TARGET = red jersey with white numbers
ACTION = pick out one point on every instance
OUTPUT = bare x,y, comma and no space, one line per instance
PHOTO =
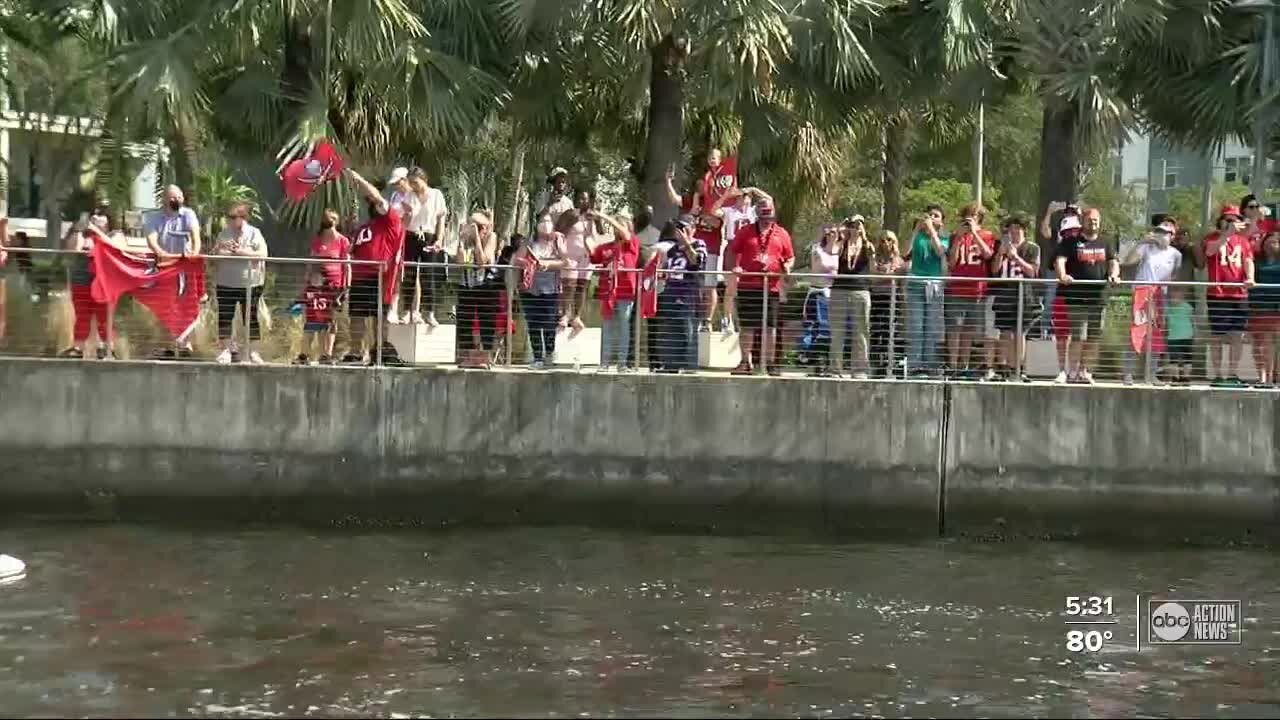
969,263
1227,265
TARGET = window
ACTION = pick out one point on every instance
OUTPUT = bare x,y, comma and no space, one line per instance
1238,169
1171,169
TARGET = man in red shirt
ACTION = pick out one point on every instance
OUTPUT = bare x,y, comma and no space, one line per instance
1227,254
379,240
761,247
619,279
966,312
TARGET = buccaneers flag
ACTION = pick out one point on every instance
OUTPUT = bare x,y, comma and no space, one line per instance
308,173
172,292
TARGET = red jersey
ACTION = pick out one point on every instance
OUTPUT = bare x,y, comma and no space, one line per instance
717,183
1227,265
318,303
626,257
969,262
337,248
709,230
762,252
381,240
1265,228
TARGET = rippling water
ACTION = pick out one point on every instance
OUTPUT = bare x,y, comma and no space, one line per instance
131,620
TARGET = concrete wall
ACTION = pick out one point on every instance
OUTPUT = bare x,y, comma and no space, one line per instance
737,454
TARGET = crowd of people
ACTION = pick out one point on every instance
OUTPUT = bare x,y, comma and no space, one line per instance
952,301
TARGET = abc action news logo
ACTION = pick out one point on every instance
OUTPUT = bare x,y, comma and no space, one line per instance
1194,622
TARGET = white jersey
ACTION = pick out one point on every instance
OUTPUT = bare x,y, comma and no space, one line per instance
735,219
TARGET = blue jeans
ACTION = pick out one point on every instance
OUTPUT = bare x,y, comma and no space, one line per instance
541,313
815,344
675,332
925,306
617,335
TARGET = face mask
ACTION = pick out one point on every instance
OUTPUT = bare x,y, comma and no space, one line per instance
175,204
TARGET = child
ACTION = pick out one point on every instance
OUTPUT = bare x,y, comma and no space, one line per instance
318,300
1181,332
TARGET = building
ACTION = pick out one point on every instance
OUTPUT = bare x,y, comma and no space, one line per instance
42,153
1152,169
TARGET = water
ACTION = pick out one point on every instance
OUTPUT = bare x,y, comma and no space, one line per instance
118,620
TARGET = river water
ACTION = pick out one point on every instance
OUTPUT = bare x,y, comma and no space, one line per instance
117,619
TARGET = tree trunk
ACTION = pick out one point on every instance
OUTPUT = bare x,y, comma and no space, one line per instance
182,154
898,138
666,123
511,207
1059,161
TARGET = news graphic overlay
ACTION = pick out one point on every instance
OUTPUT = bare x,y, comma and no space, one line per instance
1090,621
1194,622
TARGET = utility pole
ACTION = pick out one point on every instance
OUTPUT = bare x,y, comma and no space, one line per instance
1263,119
979,150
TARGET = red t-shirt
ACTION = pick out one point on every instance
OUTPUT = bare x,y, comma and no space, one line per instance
338,248
757,253
1227,265
1265,228
624,257
708,230
969,263
318,303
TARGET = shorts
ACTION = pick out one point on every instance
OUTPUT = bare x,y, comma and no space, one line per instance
1006,311
363,300
1179,351
1227,315
1265,321
317,327
714,265
1084,311
966,313
415,247
750,305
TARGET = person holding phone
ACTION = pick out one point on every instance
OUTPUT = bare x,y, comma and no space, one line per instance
1082,262
477,302
926,296
969,256
1228,257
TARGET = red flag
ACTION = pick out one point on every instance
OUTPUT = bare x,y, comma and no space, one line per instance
172,293
649,288
716,185
1146,314
310,172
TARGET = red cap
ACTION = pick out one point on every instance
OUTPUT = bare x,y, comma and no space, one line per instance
1229,210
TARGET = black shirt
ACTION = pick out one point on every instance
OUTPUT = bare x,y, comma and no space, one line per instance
846,275
1086,259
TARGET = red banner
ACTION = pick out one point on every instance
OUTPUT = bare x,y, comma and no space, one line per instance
716,186
1145,328
305,174
649,287
172,293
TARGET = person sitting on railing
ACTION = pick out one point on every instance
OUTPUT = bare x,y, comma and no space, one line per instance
330,244
616,288
541,260
969,256
762,249
1228,256
174,232
675,326
1015,259
1264,309
83,306
1158,262
380,241
238,282
1082,255
477,302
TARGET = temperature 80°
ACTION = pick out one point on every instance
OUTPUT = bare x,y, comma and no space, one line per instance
1087,640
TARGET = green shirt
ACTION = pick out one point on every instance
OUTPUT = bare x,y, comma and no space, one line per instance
923,260
1178,319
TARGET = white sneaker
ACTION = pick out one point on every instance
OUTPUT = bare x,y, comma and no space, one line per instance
416,319
431,320
393,318
990,376
224,357
1062,378
255,358
1086,377
1128,378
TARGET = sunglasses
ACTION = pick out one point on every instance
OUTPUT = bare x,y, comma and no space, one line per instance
235,217
1252,206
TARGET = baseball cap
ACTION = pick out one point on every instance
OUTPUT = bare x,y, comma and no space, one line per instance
1228,210
556,171
1069,222
853,220
765,211
1166,226
397,175
684,222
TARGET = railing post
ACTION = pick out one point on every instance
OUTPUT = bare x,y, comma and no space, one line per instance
244,316
763,360
1018,343
507,329
893,330
377,349
638,317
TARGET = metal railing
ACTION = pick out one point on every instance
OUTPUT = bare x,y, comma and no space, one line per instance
887,326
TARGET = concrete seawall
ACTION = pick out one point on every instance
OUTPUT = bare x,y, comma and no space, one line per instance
693,452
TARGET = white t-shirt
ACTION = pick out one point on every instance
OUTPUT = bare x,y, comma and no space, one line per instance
1157,264
425,213
823,264
649,236
735,219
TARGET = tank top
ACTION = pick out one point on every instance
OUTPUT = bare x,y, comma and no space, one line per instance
823,263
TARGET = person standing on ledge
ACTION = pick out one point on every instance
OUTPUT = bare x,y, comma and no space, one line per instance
379,240
1228,255
174,233
763,247
1082,255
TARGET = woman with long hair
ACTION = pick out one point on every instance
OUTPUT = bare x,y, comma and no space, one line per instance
1264,309
331,244
84,307
477,302
824,262
886,260
851,300
542,259
579,229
